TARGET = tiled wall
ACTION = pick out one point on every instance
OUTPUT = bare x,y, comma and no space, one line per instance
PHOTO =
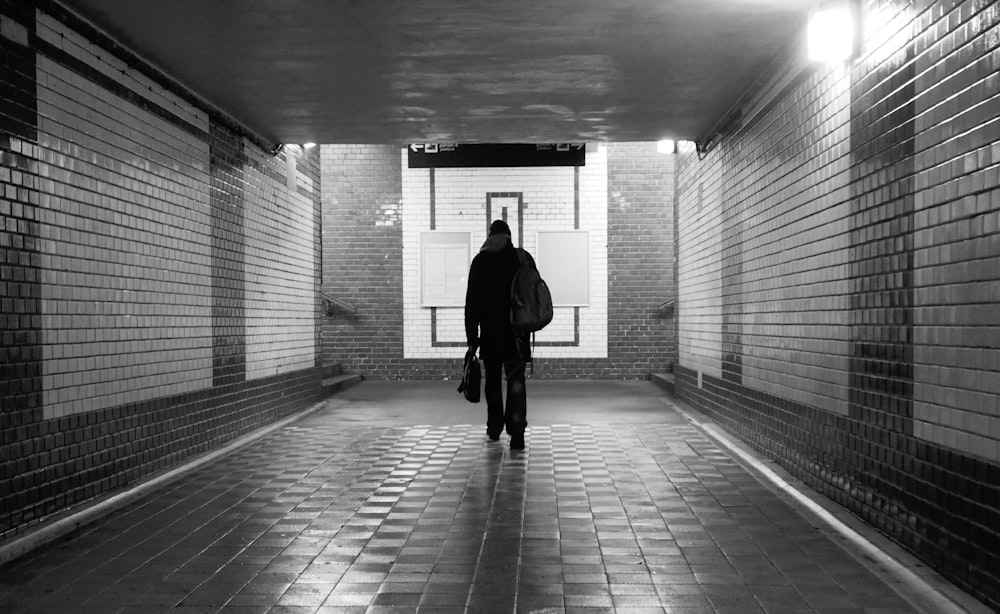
281,268
159,269
641,257
363,257
376,209
838,279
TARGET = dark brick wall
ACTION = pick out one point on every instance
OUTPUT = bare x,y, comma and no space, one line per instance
838,251
49,465
363,257
20,287
19,113
640,258
229,352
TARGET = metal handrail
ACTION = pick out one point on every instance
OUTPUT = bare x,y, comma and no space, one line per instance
666,305
333,302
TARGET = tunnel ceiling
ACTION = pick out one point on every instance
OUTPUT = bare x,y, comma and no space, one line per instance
402,71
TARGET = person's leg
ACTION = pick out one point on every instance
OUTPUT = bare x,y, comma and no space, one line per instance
493,376
516,414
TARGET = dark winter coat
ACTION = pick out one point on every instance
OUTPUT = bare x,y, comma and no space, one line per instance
487,303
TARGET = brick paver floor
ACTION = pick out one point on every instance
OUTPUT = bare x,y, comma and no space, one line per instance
324,516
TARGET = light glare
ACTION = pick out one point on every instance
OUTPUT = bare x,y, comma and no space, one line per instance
665,146
831,34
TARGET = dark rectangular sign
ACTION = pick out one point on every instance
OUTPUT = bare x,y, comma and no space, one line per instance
478,155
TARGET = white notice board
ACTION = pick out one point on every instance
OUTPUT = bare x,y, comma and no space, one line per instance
444,267
563,260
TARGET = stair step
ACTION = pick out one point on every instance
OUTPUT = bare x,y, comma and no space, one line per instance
331,369
332,385
664,381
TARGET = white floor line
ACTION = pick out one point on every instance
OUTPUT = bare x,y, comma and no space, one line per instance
914,588
48,531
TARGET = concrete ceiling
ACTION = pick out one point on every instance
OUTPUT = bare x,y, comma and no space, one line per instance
442,71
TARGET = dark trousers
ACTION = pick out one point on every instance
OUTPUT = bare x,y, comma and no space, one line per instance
514,416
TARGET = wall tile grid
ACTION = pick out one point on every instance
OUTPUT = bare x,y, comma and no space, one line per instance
641,268
699,269
228,228
281,271
20,290
152,255
838,274
309,167
363,257
109,257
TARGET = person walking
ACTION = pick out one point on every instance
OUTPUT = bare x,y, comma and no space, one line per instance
488,329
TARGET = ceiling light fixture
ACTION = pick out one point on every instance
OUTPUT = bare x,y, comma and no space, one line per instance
832,32
665,146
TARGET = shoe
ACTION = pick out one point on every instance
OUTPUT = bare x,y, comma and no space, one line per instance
517,442
493,436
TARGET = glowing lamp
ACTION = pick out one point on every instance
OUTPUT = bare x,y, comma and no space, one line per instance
831,33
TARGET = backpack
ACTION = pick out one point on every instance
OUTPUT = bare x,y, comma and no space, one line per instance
530,299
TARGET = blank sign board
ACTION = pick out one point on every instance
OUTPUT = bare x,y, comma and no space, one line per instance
563,259
444,268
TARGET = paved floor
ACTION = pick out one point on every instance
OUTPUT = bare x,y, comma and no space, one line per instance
391,499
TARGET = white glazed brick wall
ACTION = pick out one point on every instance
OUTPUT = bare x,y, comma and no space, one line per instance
279,225
956,349
793,223
548,204
416,199
699,274
593,219
796,280
126,277
125,233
